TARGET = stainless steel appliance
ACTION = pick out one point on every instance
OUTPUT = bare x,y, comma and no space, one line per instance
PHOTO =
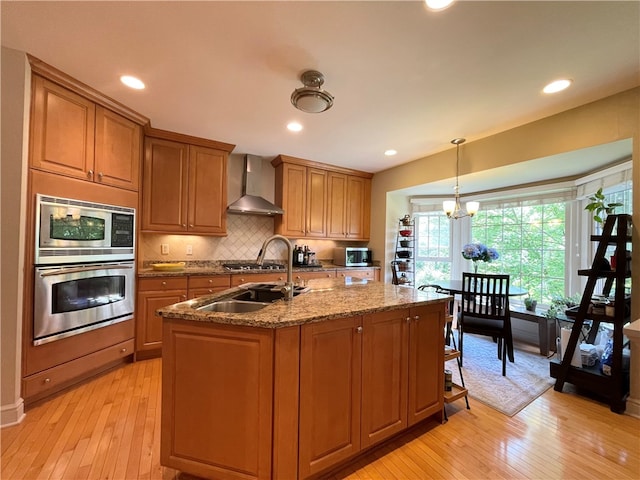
85,272
73,299
75,231
352,256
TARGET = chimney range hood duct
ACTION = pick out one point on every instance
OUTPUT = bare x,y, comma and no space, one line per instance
250,203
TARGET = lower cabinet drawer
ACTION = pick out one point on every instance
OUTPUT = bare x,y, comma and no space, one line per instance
53,379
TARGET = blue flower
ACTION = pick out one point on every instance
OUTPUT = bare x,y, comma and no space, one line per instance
478,251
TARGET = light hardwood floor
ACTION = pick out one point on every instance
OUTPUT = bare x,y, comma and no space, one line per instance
109,429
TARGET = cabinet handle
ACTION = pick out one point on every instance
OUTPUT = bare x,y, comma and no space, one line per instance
417,317
47,380
184,297
90,174
210,281
359,329
184,225
164,284
123,350
100,176
191,225
408,319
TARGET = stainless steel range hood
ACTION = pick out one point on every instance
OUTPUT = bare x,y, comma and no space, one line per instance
251,203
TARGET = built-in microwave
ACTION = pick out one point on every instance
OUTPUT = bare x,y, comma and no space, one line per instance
76,231
352,256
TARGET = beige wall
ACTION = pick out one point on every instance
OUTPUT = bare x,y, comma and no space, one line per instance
607,120
15,93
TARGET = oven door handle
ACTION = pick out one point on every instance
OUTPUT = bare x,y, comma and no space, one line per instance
84,269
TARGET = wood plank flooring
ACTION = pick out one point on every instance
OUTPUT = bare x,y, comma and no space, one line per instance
109,428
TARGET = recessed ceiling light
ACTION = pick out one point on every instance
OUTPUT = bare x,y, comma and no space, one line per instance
132,82
557,86
390,153
294,127
438,4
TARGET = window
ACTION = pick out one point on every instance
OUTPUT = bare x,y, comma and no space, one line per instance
542,238
530,238
433,248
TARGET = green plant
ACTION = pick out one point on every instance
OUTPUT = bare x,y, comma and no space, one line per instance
559,304
599,206
530,303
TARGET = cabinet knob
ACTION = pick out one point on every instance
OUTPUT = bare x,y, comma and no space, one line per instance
417,317
184,297
210,281
359,329
184,225
164,284
123,350
210,290
90,174
47,380
99,175
191,225
408,319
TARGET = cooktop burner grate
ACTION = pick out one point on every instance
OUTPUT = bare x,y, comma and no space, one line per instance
253,266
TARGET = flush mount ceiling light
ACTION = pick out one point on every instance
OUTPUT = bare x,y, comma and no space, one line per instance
311,98
452,207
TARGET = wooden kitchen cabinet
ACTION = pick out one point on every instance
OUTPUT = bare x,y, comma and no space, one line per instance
368,273
330,379
301,192
72,135
321,201
209,434
426,362
154,293
240,278
385,356
304,276
200,286
348,215
365,379
184,186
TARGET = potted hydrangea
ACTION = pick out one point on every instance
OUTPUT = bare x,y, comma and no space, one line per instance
477,251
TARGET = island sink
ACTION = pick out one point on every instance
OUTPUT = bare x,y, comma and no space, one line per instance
233,306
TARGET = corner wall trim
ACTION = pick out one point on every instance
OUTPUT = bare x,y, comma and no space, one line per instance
12,414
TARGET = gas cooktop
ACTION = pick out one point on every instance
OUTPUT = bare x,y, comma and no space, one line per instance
253,266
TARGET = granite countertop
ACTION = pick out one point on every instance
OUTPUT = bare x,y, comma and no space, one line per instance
215,268
326,299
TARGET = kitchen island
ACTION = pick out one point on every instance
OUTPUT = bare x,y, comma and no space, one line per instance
295,389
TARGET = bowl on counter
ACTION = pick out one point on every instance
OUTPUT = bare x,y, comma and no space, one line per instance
168,267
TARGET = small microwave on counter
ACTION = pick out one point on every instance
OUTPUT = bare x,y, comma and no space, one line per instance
352,256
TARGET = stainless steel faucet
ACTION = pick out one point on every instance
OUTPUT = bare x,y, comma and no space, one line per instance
288,286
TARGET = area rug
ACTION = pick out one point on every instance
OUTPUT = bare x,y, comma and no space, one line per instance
527,378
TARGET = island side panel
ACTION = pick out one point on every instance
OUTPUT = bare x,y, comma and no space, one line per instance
426,362
286,403
217,390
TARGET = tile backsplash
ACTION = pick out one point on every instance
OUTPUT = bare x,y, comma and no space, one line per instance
245,235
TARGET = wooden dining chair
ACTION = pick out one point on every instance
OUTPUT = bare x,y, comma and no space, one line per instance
484,310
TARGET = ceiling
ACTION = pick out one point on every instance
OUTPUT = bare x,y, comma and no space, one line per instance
403,77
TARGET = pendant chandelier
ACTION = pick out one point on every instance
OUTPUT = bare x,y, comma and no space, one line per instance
452,208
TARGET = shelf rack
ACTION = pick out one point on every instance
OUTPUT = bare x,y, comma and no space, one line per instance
403,265
452,353
615,387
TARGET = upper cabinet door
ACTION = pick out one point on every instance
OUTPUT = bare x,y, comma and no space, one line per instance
358,207
164,186
337,201
291,195
207,191
117,151
316,203
62,130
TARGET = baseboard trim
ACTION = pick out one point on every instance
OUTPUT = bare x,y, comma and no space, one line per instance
12,414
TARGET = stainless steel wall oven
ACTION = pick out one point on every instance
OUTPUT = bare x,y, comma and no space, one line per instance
85,272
